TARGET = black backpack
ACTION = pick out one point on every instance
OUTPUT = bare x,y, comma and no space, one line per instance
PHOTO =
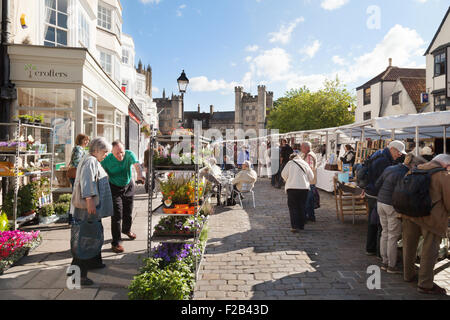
362,171
411,195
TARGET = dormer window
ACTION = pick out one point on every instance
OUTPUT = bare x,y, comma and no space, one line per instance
440,64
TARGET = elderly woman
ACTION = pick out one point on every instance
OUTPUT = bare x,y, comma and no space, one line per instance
246,176
93,182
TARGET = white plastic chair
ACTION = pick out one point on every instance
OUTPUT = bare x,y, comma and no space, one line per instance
246,188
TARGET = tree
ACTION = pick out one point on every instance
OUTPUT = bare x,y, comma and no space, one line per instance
301,109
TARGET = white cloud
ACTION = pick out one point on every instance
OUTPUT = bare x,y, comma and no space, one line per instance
179,12
311,50
155,90
248,59
338,60
150,1
252,48
272,64
203,84
402,44
284,34
333,4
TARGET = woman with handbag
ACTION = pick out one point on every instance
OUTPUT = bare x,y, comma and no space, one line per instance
298,176
91,201
78,153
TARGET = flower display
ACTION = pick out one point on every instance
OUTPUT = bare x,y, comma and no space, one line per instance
14,244
179,225
180,188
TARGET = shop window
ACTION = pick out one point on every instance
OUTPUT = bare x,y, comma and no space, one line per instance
367,115
55,27
106,62
83,30
440,64
104,17
105,115
396,98
88,103
367,96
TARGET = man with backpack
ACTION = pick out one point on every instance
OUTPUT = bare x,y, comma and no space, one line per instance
431,225
390,223
376,164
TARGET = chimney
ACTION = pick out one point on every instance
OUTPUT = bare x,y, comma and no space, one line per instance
390,62
199,108
211,109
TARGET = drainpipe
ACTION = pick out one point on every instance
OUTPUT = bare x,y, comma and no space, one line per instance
8,91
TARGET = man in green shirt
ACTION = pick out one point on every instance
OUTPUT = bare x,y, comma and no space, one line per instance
118,165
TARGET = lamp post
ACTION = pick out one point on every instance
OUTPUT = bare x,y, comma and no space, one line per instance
183,83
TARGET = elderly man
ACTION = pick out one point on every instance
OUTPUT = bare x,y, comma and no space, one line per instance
433,228
380,160
118,165
311,159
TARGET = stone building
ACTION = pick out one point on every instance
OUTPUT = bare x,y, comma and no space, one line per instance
250,113
170,112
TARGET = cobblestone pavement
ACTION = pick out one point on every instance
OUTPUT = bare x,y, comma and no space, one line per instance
42,274
251,254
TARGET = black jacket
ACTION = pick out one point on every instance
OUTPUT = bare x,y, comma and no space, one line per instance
386,183
376,168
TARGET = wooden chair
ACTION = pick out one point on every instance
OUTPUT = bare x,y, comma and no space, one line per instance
347,202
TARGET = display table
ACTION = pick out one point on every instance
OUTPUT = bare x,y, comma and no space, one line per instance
325,179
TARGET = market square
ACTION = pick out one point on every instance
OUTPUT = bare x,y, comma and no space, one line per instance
155,151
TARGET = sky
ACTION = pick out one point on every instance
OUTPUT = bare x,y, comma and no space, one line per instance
282,44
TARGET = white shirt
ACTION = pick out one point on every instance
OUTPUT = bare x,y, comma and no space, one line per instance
295,177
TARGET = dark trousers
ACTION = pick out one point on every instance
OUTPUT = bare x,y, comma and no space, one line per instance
87,264
123,198
310,214
296,204
373,231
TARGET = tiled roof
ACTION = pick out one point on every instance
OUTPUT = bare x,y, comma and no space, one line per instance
394,73
224,115
414,87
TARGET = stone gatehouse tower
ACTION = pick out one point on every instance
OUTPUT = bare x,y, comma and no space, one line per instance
251,111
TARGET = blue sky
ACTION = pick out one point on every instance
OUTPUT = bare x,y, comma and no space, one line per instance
281,44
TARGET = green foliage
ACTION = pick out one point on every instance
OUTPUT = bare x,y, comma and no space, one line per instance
67,197
302,109
28,198
46,210
174,282
61,208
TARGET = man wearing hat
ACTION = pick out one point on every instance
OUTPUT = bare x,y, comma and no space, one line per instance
380,161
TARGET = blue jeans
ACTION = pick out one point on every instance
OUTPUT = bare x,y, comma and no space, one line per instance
309,209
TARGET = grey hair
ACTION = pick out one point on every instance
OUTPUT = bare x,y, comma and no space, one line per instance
307,143
99,144
248,163
442,159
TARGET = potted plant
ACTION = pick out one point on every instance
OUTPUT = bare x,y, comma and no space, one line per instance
26,118
39,119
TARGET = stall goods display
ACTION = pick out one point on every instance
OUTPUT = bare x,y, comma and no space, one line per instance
16,244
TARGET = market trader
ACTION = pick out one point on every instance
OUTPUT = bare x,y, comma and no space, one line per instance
118,165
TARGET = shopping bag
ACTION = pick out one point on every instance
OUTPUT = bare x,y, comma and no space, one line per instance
87,238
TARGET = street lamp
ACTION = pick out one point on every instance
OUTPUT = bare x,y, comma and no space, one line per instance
183,82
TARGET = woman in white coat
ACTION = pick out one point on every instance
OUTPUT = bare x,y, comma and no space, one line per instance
298,176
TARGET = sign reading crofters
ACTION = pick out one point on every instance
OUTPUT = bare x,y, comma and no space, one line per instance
51,73
45,73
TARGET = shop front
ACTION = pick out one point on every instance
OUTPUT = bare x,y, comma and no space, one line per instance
71,91
134,121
